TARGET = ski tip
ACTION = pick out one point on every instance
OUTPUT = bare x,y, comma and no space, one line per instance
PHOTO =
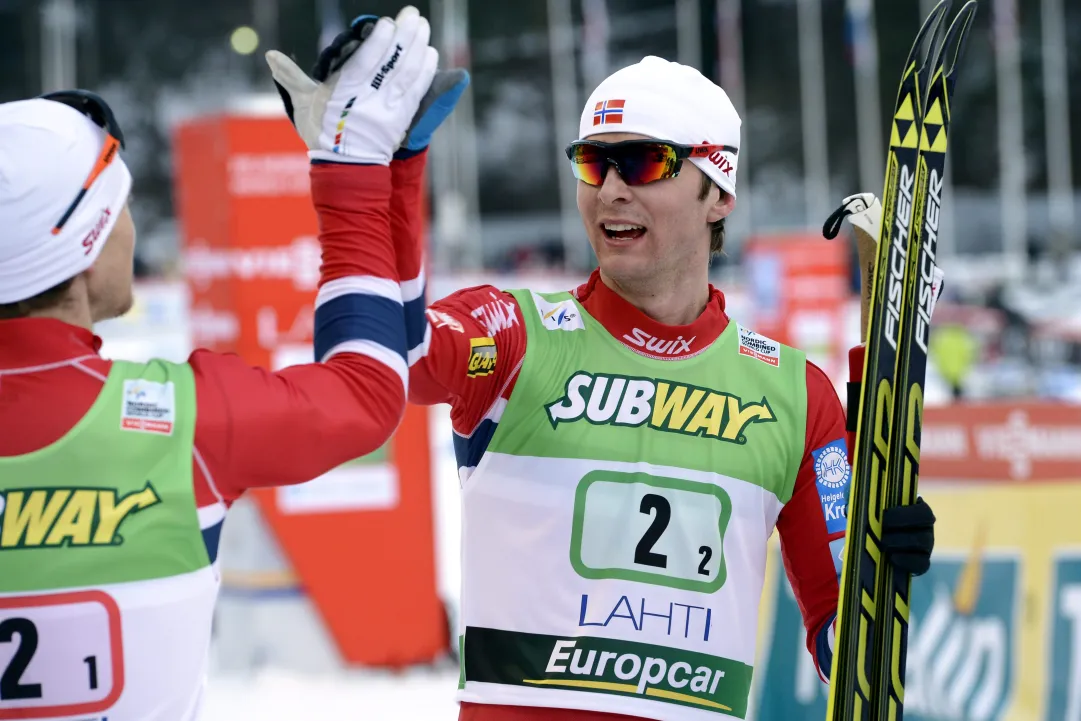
941,10
928,39
953,48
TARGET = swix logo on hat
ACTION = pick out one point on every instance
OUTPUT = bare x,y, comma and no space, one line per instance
608,112
95,232
718,159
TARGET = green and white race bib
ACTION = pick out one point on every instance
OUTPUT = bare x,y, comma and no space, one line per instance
614,532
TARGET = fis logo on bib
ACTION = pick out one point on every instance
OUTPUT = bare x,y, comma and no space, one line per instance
481,357
659,404
832,475
563,315
52,517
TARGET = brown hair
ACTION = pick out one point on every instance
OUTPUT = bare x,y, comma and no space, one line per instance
716,228
42,301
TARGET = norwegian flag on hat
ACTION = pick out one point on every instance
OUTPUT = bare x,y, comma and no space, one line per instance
608,112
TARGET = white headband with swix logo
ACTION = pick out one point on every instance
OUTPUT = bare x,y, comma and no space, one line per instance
668,101
47,150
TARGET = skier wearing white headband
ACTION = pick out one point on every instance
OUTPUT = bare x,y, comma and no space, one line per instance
625,450
115,477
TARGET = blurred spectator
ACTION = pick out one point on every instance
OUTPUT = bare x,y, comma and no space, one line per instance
954,351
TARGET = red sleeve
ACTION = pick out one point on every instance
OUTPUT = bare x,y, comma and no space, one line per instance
406,215
466,327
260,428
353,206
805,539
256,428
480,325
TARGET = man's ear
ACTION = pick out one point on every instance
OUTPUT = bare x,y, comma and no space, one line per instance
721,204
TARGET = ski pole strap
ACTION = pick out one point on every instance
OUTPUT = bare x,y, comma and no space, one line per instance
853,415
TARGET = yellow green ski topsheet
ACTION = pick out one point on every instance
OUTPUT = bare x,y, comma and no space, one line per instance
867,679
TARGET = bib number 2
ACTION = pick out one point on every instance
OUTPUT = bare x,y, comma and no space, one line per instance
643,553
651,529
25,632
60,655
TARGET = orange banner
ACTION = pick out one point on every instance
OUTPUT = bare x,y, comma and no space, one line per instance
1018,441
799,284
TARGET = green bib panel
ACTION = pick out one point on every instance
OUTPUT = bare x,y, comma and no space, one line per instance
584,394
107,504
614,532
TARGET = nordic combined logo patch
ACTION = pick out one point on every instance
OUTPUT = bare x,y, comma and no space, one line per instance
148,407
832,476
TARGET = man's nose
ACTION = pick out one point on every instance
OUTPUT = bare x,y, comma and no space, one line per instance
613,188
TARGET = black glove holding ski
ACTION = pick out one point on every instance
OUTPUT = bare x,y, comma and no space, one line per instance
908,537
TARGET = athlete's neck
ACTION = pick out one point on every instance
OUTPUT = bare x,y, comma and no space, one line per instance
68,310
644,334
667,303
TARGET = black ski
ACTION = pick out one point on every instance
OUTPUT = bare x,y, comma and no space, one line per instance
867,678
891,642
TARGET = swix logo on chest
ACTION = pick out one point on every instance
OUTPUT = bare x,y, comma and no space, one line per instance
653,345
95,232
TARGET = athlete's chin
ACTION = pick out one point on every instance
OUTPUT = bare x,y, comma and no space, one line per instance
113,307
625,267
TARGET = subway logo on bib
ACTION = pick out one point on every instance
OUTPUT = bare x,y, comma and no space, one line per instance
50,517
659,404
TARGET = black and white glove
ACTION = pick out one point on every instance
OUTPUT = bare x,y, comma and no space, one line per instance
362,111
908,537
436,105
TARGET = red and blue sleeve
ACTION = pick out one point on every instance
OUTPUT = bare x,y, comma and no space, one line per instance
316,416
481,326
812,524
407,231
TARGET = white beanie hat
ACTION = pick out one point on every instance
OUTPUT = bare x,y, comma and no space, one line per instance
47,150
668,101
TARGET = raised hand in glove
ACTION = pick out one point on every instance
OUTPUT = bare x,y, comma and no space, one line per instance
438,102
362,110
908,537
447,86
